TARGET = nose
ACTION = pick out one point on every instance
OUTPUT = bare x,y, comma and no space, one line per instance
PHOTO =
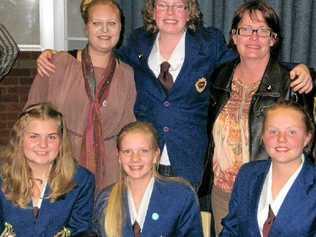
43,143
104,27
170,9
135,156
282,137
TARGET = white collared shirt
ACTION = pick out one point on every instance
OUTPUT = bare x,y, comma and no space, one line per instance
266,199
140,215
176,62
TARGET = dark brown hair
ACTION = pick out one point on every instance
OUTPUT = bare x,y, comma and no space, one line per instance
270,16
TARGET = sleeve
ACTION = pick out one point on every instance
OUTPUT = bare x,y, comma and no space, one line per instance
39,90
190,223
81,216
98,212
128,115
224,53
231,222
8,51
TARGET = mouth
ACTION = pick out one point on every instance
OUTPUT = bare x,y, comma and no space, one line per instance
135,167
281,149
104,37
253,46
170,21
41,153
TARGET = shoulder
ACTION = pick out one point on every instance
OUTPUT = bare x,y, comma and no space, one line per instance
174,188
254,168
126,69
208,35
64,58
83,175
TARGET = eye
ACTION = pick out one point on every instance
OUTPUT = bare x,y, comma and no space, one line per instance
272,132
97,23
292,132
112,23
179,6
144,151
53,137
33,136
126,152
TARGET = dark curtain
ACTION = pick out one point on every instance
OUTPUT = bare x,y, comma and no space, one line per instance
298,20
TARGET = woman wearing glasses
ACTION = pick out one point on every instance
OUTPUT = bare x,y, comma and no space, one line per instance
175,101
240,94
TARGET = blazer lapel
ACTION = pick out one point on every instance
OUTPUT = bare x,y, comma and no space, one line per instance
255,192
152,219
297,194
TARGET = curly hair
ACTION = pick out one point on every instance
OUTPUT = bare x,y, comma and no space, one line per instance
15,172
195,15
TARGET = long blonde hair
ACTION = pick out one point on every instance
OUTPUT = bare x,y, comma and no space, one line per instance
114,212
15,172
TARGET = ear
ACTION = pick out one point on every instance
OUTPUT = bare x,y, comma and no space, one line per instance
307,139
273,40
234,36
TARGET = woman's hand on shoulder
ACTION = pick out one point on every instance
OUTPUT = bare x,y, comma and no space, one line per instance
302,79
45,66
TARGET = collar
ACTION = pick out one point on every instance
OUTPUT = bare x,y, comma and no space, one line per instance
140,215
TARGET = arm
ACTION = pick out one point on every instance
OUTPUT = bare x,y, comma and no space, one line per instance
231,221
8,51
81,215
189,223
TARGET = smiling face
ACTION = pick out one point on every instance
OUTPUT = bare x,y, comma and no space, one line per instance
41,142
103,27
285,135
138,156
171,16
253,47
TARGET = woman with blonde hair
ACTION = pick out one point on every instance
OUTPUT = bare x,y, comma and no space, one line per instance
142,203
43,190
94,90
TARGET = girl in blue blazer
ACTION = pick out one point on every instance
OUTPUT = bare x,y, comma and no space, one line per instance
142,200
276,197
43,190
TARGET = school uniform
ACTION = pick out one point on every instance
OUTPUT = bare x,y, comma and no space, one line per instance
172,211
73,211
295,215
179,116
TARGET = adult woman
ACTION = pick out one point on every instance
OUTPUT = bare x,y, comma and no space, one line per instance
142,201
95,91
43,191
276,197
240,93
175,102
8,51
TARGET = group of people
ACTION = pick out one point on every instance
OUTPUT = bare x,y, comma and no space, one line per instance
211,106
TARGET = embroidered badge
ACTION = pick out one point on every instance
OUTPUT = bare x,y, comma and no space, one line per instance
200,85
155,216
8,231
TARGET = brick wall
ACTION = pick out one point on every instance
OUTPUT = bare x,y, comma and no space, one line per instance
14,90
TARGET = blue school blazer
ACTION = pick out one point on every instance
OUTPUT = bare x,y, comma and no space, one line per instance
74,211
297,214
180,117
173,211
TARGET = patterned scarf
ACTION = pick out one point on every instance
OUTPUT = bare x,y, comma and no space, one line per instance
92,148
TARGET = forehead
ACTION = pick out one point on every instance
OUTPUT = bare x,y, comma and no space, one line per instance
104,10
285,116
254,17
137,137
42,125
172,1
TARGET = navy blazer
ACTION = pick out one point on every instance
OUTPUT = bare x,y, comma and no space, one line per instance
296,216
181,116
74,211
173,211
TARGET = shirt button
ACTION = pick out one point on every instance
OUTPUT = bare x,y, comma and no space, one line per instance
166,129
166,103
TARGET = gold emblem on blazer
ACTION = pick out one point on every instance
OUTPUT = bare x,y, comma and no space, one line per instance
200,85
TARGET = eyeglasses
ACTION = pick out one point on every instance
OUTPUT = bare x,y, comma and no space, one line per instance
178,8
248,31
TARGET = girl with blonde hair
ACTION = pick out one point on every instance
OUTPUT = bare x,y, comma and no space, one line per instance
142,202
43,190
